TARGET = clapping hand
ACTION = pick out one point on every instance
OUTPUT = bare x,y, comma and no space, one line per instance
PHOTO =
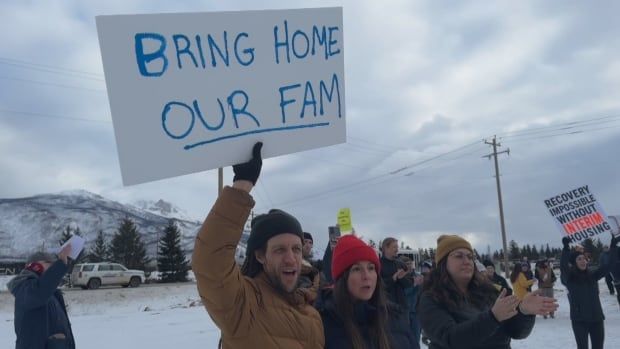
505,307
535,304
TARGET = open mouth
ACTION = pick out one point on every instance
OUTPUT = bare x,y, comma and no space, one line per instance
289,273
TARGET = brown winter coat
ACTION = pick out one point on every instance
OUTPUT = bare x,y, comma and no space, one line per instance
546,278
249,312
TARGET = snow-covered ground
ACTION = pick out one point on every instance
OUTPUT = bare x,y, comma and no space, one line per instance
171,316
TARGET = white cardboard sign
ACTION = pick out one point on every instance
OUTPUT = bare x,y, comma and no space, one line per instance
194,91
77,245
577,214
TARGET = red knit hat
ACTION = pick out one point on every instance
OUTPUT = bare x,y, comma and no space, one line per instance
349,251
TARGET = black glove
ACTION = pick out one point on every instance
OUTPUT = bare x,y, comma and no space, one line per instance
614,240
250,170
566,241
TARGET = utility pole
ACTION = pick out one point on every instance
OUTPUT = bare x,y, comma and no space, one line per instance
220,180
499,197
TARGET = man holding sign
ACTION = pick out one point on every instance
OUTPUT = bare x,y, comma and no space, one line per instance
260,305
41,319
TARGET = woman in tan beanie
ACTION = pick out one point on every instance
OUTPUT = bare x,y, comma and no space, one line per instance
460,308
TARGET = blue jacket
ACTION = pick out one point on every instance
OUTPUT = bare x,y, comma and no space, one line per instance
40,310
411,295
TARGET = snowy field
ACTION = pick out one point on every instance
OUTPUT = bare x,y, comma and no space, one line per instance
171,316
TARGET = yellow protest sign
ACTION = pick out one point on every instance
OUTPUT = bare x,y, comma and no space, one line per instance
344,221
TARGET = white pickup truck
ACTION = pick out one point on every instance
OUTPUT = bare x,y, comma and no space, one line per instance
94,275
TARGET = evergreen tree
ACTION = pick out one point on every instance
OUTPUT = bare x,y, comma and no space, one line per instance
100,252
548,253
534,252
513,250
528,252
171,261
127,247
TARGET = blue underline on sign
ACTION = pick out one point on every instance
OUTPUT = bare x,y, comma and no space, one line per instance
274,129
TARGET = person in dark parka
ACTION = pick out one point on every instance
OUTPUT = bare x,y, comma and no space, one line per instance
41,319
394,272
615,272
356,313
586,313
495,278
609,279
460,308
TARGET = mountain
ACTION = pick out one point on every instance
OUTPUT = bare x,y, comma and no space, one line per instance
27,224
165,209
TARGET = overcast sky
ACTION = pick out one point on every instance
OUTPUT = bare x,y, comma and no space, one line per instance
426,82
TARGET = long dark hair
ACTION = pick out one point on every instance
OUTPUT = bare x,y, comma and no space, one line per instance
251,266
516,270
480,291
344,305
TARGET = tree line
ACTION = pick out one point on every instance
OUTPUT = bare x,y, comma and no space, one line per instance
592,249
127,248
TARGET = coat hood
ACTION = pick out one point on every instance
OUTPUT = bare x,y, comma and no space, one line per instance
19,279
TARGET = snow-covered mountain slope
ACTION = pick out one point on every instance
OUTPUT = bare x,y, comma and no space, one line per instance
30,223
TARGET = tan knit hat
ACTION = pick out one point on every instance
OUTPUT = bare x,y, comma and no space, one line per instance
449,243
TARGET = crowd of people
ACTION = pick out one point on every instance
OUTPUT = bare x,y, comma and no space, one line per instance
353,298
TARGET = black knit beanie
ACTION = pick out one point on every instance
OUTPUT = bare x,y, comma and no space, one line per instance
264,227
308,236
488,263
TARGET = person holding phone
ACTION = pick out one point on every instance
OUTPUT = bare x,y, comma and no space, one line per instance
393,272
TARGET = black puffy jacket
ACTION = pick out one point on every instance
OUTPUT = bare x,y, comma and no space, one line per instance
582,285
399,331
469,327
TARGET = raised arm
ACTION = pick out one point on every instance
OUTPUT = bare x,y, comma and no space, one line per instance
35,293
564,267
221,285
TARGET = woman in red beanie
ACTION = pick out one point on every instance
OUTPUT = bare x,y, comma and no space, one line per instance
460,308
355,312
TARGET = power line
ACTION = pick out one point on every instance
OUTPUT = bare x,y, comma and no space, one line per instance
334,190
564,133
556,126
38,66
52,84
8,112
